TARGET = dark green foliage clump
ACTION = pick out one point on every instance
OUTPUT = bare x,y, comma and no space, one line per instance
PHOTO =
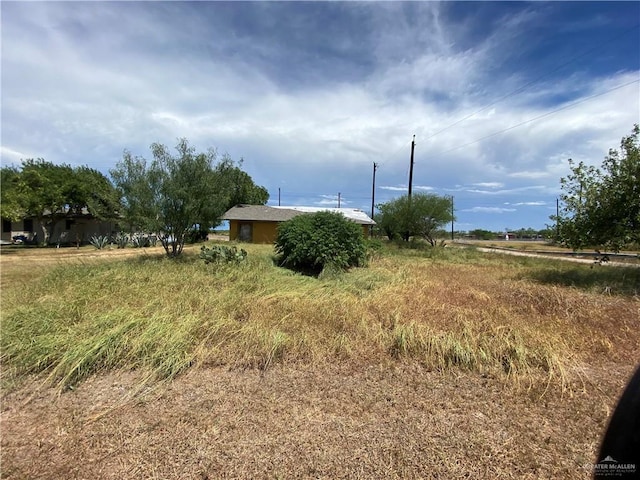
313,242
601,206
197,235
222,254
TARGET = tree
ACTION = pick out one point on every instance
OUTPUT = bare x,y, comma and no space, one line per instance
9,206
601,206
243,190
481,234
318,240
175,195
49,193
134,187
90,190
419,216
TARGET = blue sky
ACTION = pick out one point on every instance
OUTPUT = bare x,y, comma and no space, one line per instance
498,94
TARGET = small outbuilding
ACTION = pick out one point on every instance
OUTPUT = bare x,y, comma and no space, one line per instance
259,223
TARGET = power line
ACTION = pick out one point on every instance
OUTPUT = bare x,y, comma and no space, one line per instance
541,116
536,80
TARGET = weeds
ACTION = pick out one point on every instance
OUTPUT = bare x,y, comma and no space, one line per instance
456,310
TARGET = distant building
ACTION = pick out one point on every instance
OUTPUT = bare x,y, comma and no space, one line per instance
70,229
259,223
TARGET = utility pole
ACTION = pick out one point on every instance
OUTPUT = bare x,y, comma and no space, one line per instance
373,195
278,196
373,188
338,199
557,219
413,146
452,218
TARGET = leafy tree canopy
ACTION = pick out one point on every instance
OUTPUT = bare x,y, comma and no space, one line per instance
601,206
175,194
422,215
481,234
50,193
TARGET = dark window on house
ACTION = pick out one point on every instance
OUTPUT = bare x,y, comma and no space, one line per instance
246,232
6,225
68,224
28,225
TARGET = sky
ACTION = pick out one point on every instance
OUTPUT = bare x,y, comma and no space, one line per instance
499,95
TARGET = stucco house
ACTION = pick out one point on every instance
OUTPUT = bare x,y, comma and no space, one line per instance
259,223
71,229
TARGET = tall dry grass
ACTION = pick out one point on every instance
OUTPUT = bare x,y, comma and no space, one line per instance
446,308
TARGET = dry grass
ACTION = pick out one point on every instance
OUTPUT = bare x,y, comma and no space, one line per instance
164,316
427,364
386,420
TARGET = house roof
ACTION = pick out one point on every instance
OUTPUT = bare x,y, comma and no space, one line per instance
267,213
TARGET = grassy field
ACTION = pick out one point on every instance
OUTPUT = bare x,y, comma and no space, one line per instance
464,351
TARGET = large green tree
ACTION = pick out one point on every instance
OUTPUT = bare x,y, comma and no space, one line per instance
243,190
9,207
49,193
419,216
173,195
601,206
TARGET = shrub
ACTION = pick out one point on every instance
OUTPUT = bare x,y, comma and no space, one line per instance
319,240
197,236
222,254
121,240
141,241
374,248
99,241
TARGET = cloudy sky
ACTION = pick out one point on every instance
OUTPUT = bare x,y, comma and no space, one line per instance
498,95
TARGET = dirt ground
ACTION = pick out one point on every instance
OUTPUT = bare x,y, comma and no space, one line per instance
392,420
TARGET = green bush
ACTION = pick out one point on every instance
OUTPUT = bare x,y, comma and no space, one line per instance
196,236
320,240
222,254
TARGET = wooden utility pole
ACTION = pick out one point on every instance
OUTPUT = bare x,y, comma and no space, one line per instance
557,220
278,196
373,196
452,218
413,146
338,199
373,189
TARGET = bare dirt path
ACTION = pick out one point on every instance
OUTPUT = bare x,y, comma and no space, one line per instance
393,420
565,257
555,257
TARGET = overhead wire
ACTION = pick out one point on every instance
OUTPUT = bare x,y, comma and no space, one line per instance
565,107
534,81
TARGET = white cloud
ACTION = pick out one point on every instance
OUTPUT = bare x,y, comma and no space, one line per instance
529,175
509,191
530,204
488,210
9,156
489,184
